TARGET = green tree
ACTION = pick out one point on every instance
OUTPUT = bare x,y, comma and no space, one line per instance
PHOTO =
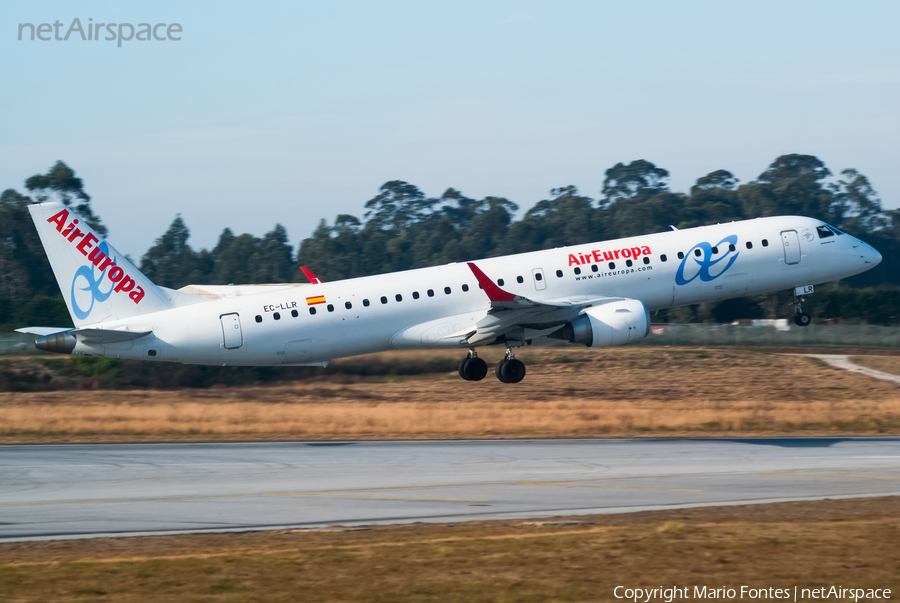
713,199
397,205
172,263
638,178
792,185
565,219
60,183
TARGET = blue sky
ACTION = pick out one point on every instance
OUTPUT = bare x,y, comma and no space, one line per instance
291,112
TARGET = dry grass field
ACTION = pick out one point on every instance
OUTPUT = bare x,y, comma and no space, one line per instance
808,544
888,364
569,392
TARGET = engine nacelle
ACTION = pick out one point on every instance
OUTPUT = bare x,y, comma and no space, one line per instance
61,343
615,323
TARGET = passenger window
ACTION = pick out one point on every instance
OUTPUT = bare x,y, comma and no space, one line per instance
277,316
697,252
731,247
538,276
258,318
559,273
680,255
594,268
366,303
612,265
294,313
447,290
348,305
765,242
824,232
749,245
431,293
646,260
628,263
383,299
662,257
520,280
577,270
500,282
715,250
415,295
312,309
465,287
398,297
330,308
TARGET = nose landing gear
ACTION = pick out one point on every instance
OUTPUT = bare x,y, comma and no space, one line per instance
510,369
801,318
472,368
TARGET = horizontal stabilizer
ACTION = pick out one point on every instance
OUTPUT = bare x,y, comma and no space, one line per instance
107,335
42,331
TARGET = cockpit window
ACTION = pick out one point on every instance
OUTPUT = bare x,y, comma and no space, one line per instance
828,227
824,232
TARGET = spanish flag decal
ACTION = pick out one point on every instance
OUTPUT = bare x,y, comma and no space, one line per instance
318,299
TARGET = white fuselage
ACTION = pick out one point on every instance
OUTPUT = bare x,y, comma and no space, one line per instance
414,310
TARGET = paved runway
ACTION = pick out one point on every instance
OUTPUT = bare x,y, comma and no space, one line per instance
94,490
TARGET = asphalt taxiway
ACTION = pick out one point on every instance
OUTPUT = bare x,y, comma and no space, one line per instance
77,491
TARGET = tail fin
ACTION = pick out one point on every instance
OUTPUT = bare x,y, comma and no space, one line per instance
97,282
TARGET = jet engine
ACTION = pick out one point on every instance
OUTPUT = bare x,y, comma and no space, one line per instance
61,343
615,323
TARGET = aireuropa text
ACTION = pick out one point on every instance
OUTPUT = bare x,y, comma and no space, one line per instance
121,32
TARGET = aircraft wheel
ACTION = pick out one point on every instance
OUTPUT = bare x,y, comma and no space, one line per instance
475,369
513,371
499,371
462,367
802,319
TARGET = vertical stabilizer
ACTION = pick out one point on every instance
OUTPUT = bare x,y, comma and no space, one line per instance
97,282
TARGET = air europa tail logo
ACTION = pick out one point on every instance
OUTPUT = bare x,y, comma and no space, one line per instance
596,256
703,265
100,260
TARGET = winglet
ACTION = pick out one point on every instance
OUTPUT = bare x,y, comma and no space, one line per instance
494,293
315,280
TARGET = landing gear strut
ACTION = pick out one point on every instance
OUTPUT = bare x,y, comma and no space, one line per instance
801,318
510,369
472,368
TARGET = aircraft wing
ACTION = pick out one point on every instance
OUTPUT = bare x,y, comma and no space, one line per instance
518,317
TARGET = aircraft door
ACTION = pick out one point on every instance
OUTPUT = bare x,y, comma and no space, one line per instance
231,331
791,243
538,275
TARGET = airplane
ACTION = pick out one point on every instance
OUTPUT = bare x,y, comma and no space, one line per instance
597,294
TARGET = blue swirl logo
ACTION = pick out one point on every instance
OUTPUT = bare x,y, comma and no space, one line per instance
85,282
706,267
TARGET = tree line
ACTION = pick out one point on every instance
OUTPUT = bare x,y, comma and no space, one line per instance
402,228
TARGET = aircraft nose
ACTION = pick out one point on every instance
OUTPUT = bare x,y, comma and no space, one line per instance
870,255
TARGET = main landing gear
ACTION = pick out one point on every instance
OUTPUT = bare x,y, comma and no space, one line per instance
509,370
473,368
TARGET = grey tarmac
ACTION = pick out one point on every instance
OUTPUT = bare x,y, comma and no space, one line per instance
84,491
